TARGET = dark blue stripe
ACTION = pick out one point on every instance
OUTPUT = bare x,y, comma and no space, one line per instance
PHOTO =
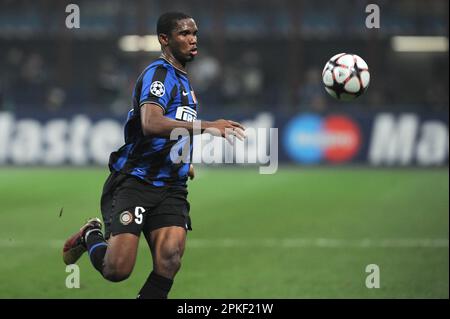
95,246
118,165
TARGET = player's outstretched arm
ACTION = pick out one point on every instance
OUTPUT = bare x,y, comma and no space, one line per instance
154,123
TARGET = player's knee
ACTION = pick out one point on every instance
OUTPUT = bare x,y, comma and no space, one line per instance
171,260
116,275
117,271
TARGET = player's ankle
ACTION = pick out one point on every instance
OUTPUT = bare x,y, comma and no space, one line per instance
89,231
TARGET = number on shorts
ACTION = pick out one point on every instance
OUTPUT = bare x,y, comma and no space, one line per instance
138,213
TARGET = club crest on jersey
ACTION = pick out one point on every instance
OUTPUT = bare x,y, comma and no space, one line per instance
125,218
157,89
185,113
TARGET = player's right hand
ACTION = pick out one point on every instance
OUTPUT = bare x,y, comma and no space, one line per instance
228,129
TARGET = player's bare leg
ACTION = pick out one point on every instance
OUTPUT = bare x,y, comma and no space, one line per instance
167,247
120,257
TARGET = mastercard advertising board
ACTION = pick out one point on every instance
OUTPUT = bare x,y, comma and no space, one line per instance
312,139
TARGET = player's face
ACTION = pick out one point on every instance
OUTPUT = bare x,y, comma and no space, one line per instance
183,40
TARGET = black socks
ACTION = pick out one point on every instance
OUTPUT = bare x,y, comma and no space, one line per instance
96,246
156,287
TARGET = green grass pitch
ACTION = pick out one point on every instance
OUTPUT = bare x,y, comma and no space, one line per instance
300,233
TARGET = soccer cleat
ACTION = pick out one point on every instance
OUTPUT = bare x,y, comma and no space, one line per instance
75,246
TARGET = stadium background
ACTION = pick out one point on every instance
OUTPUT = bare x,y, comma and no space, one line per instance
359,183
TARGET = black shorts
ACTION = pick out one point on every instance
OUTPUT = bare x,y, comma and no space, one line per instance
130,205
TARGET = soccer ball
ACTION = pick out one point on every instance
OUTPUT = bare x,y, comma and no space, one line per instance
346,76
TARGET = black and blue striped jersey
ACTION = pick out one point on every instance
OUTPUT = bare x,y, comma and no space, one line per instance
147,157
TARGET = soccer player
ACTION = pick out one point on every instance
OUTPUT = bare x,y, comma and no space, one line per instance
146,190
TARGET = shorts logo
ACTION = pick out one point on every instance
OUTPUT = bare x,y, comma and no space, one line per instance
157,89
126,218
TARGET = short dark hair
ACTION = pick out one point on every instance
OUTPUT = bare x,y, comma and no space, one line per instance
167,22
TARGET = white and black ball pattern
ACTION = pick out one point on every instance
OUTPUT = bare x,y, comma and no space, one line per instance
346,76
157,89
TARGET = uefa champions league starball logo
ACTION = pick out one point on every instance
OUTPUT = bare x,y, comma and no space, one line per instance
157,89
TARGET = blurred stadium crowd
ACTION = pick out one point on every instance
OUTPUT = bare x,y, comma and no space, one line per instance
254,55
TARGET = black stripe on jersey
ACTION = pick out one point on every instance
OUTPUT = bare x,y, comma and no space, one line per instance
159,161
174,92
160,74
184,93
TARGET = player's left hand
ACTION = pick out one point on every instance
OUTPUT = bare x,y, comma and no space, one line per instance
191,172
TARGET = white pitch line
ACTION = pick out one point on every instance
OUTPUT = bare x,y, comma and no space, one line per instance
271,243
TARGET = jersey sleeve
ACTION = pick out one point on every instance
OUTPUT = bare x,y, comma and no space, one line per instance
158,86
